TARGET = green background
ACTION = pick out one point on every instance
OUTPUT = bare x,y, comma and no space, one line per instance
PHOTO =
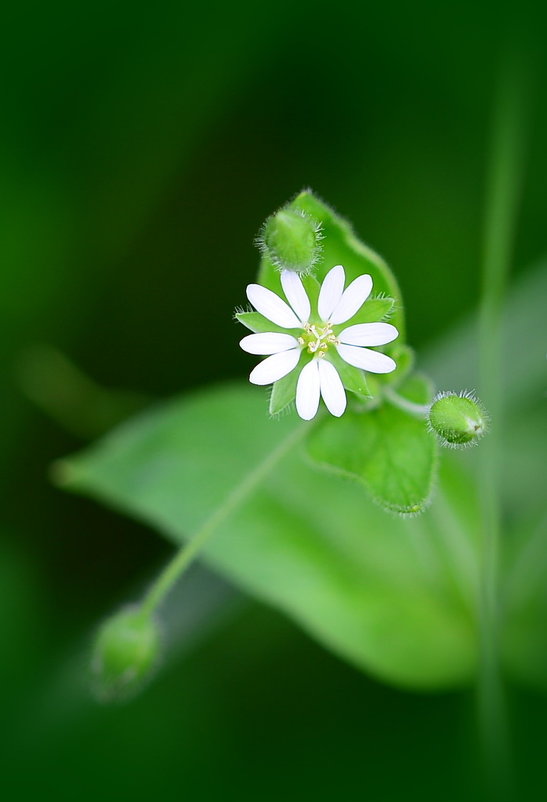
140,149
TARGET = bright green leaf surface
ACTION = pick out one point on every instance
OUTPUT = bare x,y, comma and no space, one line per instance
374,588
388,450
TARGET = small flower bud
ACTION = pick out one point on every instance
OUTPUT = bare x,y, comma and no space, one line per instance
291,239
458,419
125,654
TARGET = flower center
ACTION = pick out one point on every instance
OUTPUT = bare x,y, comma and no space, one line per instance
317,338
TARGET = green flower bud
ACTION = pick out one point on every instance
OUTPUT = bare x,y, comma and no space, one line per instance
458,419
291,239
125,654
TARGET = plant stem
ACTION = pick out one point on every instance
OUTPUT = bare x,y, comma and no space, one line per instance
187,553
502,195
418,410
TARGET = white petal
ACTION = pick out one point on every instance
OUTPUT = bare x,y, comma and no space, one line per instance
275,367
352,300
269,342
332,388
296,294
331,292
307,391
369,334
272,306
364,358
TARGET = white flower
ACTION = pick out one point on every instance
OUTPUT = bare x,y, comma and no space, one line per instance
318,334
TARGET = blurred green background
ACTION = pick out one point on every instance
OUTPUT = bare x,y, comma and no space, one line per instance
140,149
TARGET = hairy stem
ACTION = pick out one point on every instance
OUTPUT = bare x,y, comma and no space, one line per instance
418,410
187,553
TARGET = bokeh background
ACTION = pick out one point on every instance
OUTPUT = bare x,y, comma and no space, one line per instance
141,146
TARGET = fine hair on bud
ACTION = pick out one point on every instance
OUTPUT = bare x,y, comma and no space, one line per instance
125,654
458,419
291,240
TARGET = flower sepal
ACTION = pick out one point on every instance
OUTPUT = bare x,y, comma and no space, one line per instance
258,324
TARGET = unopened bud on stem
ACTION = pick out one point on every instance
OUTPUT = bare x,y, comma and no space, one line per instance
458,419
291,239
125,654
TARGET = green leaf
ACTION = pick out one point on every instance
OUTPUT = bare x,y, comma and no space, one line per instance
388,450
375,589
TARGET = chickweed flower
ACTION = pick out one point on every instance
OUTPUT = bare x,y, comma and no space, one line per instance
310,338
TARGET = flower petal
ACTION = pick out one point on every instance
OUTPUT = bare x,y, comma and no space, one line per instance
364,358
275,367
369,334
332,389
307,391
352,300
272,306
296,294
331,292
269,342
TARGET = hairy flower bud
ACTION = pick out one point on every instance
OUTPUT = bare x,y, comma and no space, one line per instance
125,654
458,419
291,239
